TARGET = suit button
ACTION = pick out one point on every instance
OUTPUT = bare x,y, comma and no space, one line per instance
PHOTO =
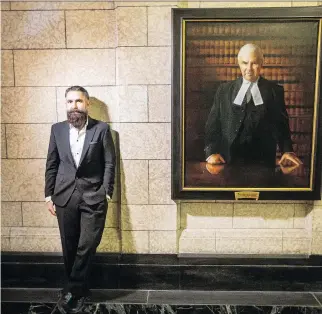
240,121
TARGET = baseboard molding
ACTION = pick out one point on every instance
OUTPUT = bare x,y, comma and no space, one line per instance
31,271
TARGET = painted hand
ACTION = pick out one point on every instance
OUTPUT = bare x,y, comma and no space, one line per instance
214,169
290,169
216,159
290,159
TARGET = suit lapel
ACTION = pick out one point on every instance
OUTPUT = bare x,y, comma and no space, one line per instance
264,90
66,143
266,93
90,131
235,110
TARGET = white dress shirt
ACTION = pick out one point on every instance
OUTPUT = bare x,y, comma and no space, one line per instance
250,89
76,142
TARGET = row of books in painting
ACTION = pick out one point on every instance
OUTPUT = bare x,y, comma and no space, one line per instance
288,78
226,51
296,30
300,124
302,149
231,60
199,86
203,86
299,110
301,138
283,75
295,98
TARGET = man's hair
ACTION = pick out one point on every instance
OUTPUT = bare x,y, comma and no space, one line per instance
77,88
251,48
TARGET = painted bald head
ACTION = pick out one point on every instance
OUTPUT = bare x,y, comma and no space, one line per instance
250,60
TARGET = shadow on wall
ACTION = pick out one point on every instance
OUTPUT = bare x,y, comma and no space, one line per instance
98,110
113,240
128,243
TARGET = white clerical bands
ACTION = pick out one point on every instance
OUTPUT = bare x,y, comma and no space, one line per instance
251,89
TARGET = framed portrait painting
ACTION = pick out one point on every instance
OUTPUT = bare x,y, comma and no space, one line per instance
246,103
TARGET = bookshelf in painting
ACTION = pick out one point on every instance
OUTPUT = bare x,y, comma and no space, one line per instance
289,51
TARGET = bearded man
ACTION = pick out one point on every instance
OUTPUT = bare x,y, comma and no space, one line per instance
79,180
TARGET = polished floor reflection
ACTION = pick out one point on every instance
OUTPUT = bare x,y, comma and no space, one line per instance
104,308
168,301
165,284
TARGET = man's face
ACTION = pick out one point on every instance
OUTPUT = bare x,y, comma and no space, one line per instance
250,65
76,101
77,105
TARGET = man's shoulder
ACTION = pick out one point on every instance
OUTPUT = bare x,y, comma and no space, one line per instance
101,125
271,84
229,84
59,125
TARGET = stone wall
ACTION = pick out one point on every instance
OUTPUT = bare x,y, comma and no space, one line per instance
121,52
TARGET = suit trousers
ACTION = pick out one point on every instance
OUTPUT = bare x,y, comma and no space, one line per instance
81,227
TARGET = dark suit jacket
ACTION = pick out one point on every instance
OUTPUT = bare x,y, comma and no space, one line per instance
94,177
225,120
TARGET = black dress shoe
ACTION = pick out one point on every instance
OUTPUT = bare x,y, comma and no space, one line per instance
69,303
64,301
77,305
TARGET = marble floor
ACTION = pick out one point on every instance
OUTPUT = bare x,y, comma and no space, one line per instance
172,297
32,301
165,284
104,308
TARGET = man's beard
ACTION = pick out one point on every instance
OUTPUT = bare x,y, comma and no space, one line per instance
77,118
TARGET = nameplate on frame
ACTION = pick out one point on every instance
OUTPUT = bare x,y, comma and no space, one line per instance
247,195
